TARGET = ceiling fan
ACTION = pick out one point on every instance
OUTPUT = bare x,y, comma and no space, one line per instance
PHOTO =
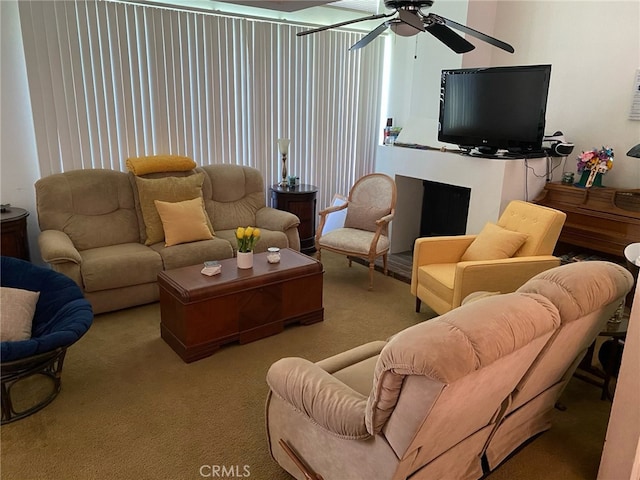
411,20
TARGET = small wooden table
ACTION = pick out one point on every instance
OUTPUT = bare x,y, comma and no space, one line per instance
15,242
613,330
201,313
301,201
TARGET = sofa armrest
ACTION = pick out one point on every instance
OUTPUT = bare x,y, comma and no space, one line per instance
352,356
280,221
430,250
504,275
315,393
449,249
56,248
276,220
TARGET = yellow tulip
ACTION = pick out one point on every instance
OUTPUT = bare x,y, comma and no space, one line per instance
256,232
240,233
248,232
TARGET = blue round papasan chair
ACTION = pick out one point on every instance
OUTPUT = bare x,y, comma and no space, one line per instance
62,315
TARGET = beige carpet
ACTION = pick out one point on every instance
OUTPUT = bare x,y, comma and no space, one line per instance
131,409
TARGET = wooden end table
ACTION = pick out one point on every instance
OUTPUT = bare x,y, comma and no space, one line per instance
15,241
613,330
301,201
201,313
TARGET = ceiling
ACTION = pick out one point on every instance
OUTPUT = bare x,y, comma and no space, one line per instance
281,5
296,5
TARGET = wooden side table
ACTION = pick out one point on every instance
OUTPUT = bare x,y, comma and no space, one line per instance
301,201
616,331
13,233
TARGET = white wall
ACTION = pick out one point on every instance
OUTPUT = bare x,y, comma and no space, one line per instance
18,157
414,84
594,50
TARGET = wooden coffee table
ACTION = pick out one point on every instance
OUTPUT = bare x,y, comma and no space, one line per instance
201,313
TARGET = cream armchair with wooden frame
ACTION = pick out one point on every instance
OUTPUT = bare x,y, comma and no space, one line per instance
370,209
501,258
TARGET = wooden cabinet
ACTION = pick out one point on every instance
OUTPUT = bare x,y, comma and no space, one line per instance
13,233
603,220
301,201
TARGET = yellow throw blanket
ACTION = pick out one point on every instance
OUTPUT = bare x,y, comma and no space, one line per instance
159,163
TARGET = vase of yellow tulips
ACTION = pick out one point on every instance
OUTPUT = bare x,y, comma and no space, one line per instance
247,238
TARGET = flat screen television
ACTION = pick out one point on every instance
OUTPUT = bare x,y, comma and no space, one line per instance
494,108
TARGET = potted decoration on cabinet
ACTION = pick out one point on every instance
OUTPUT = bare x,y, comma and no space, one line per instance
592,165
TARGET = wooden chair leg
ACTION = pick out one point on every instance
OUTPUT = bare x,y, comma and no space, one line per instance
418,304
384,264
371,269
319,254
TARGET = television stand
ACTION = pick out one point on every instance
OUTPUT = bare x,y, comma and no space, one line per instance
525,153
487,150
504,154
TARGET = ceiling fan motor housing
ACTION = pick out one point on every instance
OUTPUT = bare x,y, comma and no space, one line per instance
412,4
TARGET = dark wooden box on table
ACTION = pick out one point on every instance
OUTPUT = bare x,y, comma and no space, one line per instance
201,313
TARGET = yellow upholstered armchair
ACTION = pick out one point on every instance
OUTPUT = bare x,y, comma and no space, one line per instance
501,258
370,208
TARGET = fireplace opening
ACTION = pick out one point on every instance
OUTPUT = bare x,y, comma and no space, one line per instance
444,209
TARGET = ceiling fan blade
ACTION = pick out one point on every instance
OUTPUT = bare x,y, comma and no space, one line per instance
369,37
450,38
342,24
412,19
474,33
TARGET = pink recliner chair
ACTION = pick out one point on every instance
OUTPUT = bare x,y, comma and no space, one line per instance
586,294
446,397
422,404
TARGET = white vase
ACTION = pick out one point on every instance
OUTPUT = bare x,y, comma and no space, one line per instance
245,260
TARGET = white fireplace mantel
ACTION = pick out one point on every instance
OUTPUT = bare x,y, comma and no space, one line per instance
493,183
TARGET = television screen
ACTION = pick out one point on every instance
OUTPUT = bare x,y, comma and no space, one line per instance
494,108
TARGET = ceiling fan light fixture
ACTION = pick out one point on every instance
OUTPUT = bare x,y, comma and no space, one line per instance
403,29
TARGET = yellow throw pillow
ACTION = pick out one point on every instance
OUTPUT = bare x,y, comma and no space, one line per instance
159,163
494,243
183,221
166,189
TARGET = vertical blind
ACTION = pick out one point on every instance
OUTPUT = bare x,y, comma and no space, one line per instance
110,80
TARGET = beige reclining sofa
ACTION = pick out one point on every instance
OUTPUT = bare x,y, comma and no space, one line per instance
448,398
96,227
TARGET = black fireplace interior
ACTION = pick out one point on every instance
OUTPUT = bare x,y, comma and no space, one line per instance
444,209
